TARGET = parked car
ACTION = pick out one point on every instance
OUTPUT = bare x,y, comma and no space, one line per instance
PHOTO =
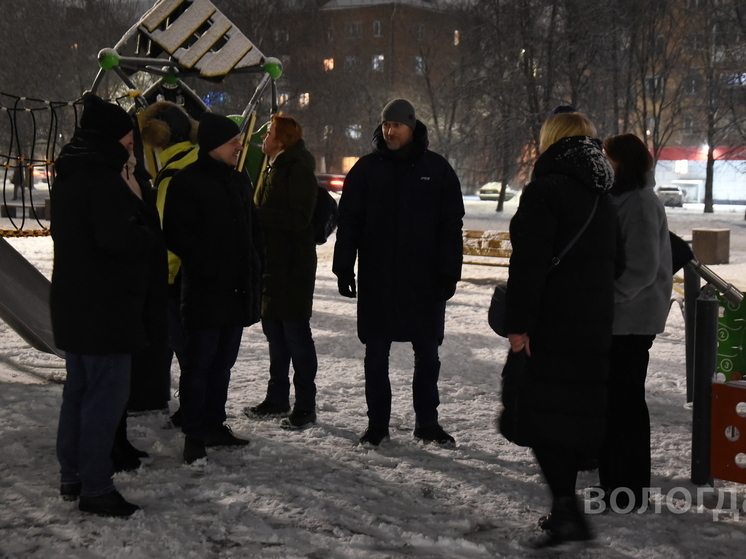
491,191
41,177
333,183
670,195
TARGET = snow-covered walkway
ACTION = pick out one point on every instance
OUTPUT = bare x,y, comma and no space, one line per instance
316,494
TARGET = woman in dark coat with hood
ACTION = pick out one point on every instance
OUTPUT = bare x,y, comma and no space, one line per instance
559,317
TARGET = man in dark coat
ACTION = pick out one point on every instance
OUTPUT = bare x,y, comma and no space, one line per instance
285,204
108,254
400,216
210,223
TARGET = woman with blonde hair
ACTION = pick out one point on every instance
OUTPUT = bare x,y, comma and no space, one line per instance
559,314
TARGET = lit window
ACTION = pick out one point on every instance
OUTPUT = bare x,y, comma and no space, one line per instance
378,63
355,131
282,98
348,162
456,38
681,167
304,99
377,28
328,64
419,65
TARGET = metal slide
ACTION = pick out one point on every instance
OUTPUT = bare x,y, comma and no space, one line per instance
24,299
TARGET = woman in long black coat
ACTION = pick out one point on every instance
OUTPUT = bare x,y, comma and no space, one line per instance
285,204
559,318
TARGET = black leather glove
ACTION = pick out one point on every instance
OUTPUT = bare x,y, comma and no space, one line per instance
346,286
447,288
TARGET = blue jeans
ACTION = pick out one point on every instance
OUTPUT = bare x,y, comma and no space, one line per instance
291,341
93,401
424,382
209,355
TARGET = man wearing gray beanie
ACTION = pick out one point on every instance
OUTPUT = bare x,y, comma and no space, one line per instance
400,217
210,223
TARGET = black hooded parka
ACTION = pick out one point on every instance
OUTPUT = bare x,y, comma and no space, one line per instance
108,294
566,310
401,215
210,223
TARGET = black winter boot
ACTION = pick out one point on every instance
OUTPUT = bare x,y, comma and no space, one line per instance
194,449
566,523
374,435
267,410
223,436
298,419
70,491
108,504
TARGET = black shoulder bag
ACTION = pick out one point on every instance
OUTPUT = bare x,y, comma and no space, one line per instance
496,313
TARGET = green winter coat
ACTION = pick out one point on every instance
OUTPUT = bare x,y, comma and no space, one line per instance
285,203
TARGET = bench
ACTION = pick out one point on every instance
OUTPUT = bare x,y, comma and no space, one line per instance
487,248
19,209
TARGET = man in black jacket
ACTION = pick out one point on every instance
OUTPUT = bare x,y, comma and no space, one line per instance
400,217
108,258
210,223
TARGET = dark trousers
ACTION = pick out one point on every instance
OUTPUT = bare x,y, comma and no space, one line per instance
206,372
624,459
150,384
176,332
93,401
291,341
560,469
424,382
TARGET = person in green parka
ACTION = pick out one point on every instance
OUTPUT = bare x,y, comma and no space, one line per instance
285,202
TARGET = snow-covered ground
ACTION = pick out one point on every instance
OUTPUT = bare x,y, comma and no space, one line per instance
316,494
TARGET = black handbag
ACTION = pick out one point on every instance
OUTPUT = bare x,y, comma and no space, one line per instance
496,312
511,419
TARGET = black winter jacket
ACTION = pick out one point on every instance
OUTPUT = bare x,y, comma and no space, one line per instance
108,292
285,204
567,311
210,223
401,215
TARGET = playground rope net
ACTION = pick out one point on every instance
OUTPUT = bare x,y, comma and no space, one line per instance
32,132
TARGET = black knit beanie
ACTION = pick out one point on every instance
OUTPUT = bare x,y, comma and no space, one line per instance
106,118
215,130
399,110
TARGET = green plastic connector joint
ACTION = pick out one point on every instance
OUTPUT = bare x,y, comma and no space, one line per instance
273,67
108,59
